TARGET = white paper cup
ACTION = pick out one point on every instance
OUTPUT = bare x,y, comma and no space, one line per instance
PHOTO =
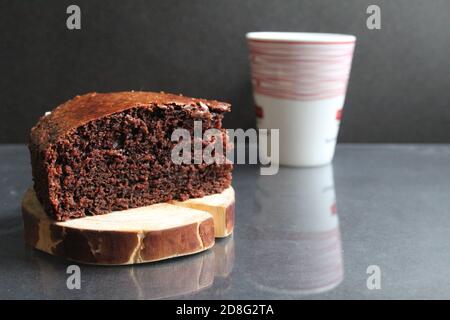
299,85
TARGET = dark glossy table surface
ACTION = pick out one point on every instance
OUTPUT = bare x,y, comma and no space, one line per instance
378,218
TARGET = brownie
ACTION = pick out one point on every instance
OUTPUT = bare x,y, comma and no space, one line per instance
102,152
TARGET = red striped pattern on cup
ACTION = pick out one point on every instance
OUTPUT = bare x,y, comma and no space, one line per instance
302,71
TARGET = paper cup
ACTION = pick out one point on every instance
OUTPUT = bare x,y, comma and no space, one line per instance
299,85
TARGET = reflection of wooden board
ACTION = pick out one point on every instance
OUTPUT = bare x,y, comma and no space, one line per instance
153,281
224,256
220,206
139,235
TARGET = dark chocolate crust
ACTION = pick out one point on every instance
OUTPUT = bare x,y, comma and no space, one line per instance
91,106
99,153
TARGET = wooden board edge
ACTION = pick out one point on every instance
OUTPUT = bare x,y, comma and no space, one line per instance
223,214
114,247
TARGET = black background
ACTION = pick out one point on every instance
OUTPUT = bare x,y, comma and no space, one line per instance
400,82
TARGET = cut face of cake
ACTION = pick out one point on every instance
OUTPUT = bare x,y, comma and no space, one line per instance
99,153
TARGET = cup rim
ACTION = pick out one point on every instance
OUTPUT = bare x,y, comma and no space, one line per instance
300,37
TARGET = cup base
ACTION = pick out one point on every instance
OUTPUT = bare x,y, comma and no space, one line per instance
305,165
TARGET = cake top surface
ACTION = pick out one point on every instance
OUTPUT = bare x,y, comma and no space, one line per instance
91,106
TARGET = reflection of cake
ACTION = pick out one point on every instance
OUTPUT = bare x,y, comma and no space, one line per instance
103,152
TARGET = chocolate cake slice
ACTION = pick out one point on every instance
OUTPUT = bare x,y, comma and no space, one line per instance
99,153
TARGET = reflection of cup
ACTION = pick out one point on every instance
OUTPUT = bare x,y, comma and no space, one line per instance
301,218
299,85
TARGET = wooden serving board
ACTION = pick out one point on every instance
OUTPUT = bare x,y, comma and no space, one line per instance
221,206
139,235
